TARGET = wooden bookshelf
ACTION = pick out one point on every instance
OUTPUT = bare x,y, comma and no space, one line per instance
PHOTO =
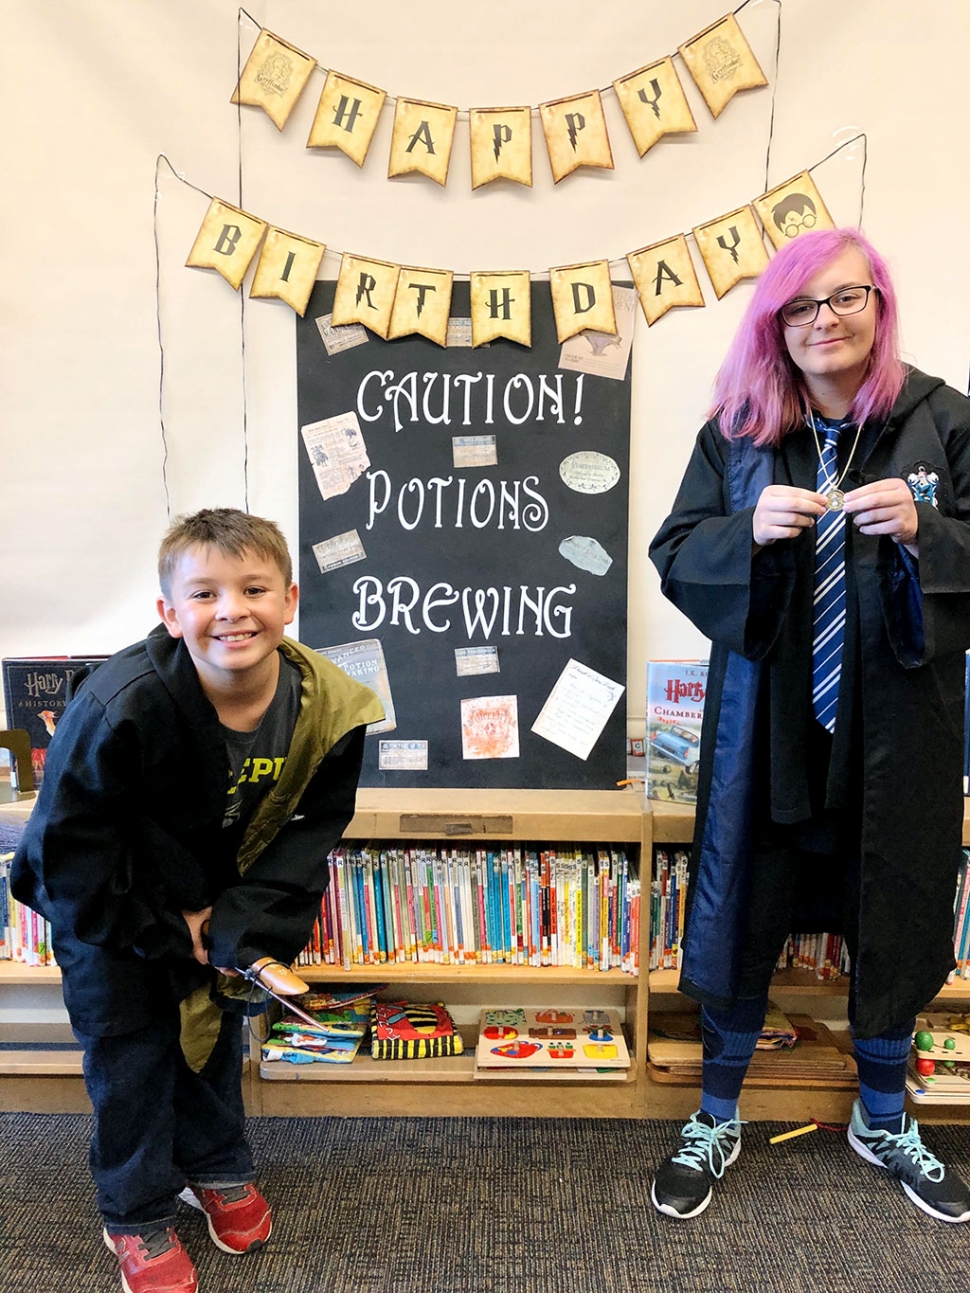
448,1086
49,1080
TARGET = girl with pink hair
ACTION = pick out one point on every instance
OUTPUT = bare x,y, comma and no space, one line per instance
821,539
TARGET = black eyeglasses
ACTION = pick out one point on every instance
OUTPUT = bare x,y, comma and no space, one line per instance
847,300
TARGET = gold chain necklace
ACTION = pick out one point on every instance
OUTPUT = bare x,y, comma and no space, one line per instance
834,497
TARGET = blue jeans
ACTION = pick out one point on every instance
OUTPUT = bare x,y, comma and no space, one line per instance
158,1125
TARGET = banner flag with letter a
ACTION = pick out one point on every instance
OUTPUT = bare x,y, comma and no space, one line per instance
274,77
654,104
575,130
664,275
582,299
733,248
501,306
227,241
287,268
347,116
501,145
422,304
792,208
365,293
721,62
422,139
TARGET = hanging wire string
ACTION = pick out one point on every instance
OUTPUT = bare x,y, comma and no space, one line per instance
463,113
542,274
158,330
774,87
242,295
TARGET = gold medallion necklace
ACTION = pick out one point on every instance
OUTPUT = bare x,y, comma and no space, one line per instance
834,496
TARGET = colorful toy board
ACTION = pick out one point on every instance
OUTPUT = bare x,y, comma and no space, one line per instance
551,1038
939,1064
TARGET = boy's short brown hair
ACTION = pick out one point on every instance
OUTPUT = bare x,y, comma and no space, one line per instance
231,532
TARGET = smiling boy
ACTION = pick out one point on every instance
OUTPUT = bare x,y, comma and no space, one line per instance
193,790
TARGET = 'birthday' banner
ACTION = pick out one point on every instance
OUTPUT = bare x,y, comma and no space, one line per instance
399,300
719,60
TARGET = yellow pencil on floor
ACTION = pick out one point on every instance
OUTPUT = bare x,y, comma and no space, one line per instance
799,1131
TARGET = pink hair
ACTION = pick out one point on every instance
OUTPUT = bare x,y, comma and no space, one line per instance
759,392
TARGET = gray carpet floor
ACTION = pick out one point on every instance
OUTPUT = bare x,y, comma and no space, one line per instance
482,1205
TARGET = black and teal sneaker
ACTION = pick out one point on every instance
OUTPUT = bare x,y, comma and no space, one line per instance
683,1186
938,1192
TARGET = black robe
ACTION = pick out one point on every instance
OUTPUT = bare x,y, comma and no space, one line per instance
896,759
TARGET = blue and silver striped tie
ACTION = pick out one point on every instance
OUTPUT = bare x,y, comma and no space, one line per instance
829,626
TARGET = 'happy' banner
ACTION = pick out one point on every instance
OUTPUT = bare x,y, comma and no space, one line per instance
719,60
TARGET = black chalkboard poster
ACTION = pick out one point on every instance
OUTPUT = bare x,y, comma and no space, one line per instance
462,510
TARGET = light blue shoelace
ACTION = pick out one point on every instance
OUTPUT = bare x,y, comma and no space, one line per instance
712,1146
909,1143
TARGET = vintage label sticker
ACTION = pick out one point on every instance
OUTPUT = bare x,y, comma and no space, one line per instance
477,659
586,553
589,472
337,453
403,756
364,661
342,337
459,333
342,550
490,727
474,451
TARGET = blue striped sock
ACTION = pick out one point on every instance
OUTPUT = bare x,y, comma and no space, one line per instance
882,1075
730,1037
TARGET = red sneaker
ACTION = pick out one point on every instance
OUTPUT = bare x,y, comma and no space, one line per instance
153,1263
238,1217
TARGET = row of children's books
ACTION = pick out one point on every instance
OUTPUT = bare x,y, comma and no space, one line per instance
24,936
479,906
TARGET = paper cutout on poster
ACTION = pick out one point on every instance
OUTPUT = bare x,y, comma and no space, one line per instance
336,339
578,709
475,660
589,472
490,727
341,550
364,661
598,353
586,553
337,453
403,756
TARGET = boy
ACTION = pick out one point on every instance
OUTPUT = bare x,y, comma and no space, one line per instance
192,792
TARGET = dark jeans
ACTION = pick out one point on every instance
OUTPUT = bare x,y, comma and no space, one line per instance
158,1125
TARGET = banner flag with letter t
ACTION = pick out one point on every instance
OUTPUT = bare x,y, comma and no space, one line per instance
422,304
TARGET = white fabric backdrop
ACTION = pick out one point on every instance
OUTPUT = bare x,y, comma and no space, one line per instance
93,90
